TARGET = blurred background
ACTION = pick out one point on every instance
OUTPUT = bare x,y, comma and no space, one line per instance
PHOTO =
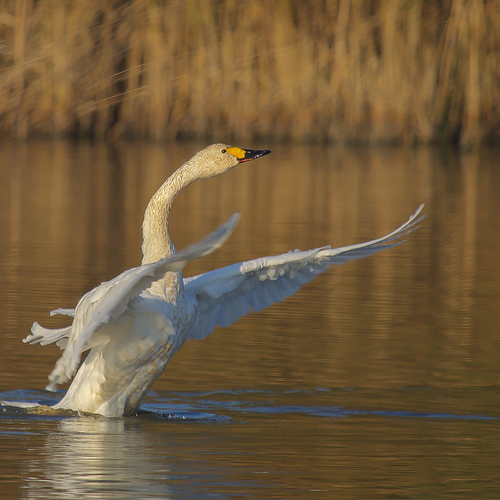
363,71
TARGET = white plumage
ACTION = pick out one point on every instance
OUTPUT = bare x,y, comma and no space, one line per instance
134,323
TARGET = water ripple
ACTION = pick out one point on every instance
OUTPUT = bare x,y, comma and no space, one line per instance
233,405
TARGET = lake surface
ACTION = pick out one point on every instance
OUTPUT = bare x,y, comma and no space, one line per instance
378,380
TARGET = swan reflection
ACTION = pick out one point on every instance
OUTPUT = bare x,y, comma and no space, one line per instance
96,458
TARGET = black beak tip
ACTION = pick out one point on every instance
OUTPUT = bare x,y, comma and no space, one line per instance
252,154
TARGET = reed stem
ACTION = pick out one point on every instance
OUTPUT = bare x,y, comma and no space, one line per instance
371,71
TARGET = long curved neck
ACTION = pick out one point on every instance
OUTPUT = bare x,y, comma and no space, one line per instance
156,241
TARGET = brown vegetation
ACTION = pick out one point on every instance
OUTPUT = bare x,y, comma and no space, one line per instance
413,71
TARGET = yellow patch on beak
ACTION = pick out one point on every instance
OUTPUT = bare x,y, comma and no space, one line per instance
236,152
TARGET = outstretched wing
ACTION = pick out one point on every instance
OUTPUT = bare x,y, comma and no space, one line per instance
112,298
226,294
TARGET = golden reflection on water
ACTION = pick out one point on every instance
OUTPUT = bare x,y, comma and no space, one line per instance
280,455
425,314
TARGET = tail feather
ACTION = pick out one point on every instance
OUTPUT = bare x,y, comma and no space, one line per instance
44,336
65,312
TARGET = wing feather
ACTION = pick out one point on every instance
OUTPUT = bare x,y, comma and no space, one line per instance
111,299
224,295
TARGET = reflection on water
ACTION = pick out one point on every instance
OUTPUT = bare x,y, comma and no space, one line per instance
93,458
408,333
290,444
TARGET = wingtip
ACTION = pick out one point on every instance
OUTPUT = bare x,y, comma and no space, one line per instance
213,241
205,246
418,215
418,212
230,225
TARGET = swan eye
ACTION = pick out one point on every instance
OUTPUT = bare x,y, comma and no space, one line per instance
223,150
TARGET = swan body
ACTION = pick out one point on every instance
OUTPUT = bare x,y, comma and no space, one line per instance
134,323
131,333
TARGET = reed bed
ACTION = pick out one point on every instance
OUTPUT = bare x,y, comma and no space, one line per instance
370,71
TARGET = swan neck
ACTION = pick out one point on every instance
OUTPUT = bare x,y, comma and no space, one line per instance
156,241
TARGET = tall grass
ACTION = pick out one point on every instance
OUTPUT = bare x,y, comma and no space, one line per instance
412,71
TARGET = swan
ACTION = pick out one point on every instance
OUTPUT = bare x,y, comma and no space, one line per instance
135,323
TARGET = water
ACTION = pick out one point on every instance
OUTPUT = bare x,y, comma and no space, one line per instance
380,379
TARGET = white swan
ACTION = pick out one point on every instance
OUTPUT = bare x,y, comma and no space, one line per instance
134,323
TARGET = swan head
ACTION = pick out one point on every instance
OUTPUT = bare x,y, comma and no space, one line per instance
219,158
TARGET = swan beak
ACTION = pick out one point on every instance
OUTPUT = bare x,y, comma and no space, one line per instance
252,154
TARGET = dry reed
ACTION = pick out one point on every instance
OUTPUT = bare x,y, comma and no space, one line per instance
412,71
